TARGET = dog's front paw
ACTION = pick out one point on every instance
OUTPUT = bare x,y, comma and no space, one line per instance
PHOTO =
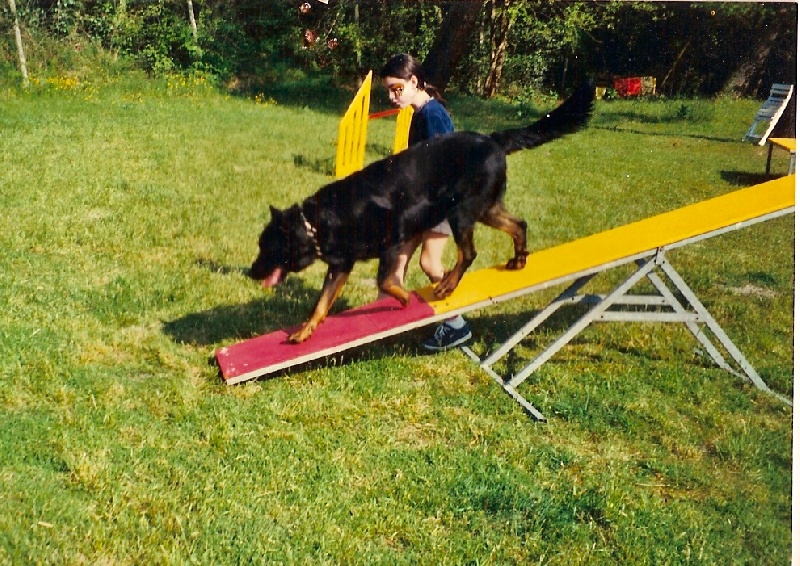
302,335
442,293
404,299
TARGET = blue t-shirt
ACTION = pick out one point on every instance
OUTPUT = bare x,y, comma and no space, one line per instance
429,121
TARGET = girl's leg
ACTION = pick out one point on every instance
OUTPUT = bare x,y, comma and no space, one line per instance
453,331
430,258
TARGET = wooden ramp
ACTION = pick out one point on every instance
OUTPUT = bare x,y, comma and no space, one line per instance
644,243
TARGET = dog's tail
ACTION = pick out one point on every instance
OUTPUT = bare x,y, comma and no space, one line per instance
568,118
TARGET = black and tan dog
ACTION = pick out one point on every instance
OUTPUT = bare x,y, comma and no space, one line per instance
460,177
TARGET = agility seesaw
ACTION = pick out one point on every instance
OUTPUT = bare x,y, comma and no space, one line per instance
644,243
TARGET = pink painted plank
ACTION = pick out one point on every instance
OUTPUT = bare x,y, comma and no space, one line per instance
272,352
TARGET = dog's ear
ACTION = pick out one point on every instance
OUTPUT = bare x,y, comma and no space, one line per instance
274,213
289,219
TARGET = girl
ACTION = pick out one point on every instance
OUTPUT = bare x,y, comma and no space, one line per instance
404,80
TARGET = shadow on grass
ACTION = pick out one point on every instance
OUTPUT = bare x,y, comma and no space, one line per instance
323,166
662,134
287,305
747,178
321,94
215,267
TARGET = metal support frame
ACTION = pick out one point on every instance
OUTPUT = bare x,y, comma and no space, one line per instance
792,158
665,305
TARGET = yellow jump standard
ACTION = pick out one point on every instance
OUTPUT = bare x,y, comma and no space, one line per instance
643,243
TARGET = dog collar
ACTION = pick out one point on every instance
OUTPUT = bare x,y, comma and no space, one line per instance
311,232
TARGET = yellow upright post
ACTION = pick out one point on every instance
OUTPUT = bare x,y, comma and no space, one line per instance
401,129
352,142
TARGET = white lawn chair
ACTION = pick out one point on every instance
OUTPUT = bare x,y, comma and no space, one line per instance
769,114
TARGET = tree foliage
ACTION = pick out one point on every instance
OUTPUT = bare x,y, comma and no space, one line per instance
478,46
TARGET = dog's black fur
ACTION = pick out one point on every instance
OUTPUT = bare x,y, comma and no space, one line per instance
460,177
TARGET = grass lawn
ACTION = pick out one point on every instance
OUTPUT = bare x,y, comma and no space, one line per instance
128,212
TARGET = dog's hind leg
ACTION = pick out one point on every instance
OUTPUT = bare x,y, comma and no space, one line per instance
334,282
395,290
498,217
389,280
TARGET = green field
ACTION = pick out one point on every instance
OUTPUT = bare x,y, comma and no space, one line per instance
129,210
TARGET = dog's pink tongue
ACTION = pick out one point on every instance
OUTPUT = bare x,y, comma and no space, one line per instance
273,279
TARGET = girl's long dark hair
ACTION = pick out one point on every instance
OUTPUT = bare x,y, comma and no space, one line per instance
403,66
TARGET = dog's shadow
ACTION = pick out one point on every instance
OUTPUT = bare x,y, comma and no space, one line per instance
326,166
286,306
215,267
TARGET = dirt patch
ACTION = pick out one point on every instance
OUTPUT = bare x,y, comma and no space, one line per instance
755,290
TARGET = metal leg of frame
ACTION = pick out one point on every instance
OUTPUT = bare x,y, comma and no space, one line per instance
693,327
769,156
569,295
532,411
717,330
593,314
600,312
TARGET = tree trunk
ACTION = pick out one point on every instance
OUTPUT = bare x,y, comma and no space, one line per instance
192,21
501,22
479,80
674,66
452,41
565,71
23,66
757,71
746,79
357,24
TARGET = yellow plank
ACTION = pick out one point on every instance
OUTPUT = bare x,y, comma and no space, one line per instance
619,243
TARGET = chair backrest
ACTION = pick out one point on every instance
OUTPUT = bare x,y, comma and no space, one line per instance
769,113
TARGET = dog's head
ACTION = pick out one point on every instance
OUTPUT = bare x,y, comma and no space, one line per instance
284,246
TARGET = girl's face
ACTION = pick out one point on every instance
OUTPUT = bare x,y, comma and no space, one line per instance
401,91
